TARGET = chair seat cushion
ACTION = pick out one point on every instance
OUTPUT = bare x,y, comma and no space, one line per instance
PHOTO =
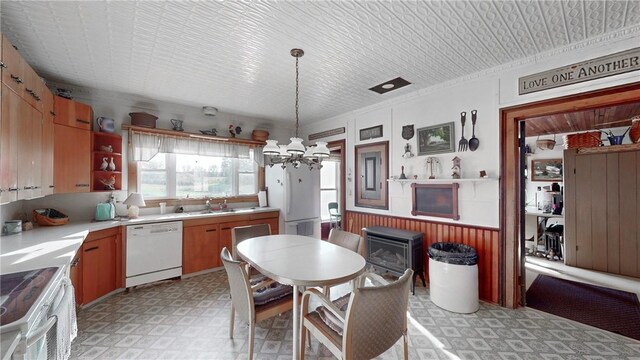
329,318
274,291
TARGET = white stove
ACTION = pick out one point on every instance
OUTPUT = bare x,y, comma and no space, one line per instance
30,303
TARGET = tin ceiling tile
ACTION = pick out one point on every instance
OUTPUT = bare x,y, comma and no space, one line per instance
235,55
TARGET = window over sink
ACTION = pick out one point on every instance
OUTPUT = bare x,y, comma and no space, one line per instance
169,175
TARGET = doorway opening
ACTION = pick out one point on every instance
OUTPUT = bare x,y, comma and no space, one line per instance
548,201
332,188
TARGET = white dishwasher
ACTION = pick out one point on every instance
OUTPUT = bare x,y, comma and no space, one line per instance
154,252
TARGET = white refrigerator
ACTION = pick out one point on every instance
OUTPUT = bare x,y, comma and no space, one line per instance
296,192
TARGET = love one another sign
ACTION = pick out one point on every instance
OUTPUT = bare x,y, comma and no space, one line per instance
597,68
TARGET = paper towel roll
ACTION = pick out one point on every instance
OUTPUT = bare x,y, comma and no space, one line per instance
262,199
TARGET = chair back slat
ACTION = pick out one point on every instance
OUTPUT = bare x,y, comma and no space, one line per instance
239,286
376,318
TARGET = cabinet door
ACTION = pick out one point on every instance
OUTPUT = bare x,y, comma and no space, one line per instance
75,274
72,159
84,115
199,248
9,145
31,92
47,142
98,270
12,69
225,234
25,152
35,151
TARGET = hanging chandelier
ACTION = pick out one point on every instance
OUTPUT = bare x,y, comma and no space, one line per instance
295,153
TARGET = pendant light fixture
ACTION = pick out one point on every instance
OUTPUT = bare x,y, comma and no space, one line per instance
295,153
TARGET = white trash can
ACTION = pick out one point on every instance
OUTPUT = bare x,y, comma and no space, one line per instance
453,277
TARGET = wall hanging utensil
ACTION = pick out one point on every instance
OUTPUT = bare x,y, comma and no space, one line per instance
463,143
474,142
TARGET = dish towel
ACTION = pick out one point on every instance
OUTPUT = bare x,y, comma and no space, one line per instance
66,328
305,228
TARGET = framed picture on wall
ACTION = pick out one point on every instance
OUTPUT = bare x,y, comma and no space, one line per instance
440,200
546,170
437,139
371,133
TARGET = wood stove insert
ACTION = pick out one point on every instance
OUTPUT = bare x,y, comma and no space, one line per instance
394,251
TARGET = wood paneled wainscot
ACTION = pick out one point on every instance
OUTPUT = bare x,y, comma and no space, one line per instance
204,238
484,240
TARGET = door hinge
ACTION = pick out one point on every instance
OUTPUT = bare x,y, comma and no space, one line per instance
574,170
576,247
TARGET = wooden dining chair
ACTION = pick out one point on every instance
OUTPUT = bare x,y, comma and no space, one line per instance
334,215
241,233
346,240
366,325
273,298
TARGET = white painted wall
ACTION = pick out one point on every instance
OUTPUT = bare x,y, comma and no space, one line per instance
488,92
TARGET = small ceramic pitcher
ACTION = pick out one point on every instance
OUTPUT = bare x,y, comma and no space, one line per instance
106,124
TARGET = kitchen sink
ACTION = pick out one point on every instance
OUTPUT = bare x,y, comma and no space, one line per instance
212,211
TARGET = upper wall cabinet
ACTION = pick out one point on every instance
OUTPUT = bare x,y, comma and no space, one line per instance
48,115
72,113
12,67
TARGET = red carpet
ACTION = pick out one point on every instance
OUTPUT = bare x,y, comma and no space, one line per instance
612,310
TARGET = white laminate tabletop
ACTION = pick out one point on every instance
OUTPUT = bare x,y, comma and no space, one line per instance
301,260
533,211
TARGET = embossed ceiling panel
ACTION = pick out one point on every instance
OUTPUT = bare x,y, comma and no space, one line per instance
235,55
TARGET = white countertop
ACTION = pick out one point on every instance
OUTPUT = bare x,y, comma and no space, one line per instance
47,246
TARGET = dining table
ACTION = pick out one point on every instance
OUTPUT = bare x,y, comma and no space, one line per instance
298,260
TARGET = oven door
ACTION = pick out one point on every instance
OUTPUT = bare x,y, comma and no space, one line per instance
40,340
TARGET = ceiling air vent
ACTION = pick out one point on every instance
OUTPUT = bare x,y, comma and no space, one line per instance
390,85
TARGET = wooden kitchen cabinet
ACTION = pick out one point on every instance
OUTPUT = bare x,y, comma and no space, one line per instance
30,153
194,235
12,67
72,159
72,113
11,109
99,265
21,148
200,248
47,142
32,90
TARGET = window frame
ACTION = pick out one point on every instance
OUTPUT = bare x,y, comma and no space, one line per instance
171,176
336,188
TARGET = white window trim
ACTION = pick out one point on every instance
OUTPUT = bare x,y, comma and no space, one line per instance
171,174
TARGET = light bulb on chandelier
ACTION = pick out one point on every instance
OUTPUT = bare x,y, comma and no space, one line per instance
295,153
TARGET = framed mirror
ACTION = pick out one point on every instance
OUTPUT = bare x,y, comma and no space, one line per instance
372,169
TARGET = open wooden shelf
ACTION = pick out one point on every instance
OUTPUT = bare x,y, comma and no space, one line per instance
98,141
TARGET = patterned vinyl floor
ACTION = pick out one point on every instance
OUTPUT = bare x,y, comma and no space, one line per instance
189,319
